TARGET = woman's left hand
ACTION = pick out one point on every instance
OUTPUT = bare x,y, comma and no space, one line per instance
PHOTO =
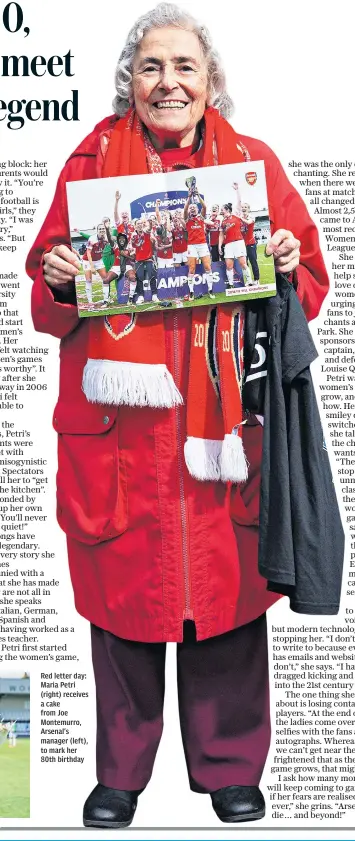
286,250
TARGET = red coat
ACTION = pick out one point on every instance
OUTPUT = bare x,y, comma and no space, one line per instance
149,545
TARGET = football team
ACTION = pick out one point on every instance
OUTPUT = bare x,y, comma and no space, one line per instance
136,249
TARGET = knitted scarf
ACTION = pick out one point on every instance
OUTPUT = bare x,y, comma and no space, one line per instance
126,364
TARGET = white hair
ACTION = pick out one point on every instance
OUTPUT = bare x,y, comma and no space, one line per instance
168,14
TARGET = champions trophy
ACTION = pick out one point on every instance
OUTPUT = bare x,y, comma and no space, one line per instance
192,186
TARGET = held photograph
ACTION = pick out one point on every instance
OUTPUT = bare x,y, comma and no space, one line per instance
148,242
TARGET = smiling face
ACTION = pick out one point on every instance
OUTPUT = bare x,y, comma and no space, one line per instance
226,211
170,84
121,241
193,210
101,231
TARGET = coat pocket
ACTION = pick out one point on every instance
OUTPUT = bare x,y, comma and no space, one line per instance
245,498
91,481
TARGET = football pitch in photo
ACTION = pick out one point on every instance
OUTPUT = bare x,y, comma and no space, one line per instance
15,780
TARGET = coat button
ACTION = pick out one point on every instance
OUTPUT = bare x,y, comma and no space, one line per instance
106,420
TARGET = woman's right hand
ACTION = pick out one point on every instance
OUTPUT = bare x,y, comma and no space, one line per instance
60,267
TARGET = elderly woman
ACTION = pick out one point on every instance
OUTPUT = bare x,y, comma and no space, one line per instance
157,555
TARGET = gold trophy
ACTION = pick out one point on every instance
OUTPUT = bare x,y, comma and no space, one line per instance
192,186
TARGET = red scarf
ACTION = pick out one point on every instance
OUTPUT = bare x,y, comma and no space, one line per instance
126,362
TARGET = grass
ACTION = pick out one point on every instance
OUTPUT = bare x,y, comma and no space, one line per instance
266,266
266,277
15,780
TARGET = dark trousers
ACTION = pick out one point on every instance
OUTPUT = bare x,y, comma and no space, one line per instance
215,253
117,284
223,702
251,254
145,270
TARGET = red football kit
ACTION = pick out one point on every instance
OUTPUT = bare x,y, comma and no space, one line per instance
96,246
179,240
214,229
165,247
196,231
121,260
247,229
126,228
142,244
232,229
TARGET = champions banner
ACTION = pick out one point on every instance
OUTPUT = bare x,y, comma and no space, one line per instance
172,283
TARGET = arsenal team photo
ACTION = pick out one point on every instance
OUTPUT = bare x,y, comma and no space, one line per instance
171,239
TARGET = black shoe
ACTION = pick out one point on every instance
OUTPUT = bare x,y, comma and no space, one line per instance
238,803
110,807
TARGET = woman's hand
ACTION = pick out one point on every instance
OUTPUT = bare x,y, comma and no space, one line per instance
60,267
286,250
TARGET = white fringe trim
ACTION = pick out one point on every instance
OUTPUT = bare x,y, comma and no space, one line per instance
202,458
129,384
233,462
